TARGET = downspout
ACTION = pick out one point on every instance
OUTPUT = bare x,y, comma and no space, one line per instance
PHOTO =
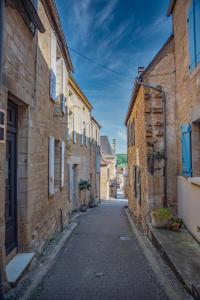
2,15
159,88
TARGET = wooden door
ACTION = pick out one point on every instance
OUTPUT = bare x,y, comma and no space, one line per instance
11,179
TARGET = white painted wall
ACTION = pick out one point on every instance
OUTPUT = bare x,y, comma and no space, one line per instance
189,205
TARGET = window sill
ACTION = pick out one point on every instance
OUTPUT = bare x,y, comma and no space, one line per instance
194,180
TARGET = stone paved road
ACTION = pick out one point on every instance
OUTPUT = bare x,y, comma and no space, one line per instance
97,264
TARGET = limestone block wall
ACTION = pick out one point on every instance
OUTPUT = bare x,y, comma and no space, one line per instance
161,72
104,182
26,82
187,111
137,156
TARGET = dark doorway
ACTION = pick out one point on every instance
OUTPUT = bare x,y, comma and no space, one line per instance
11,179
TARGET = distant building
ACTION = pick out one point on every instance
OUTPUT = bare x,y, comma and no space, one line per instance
108,169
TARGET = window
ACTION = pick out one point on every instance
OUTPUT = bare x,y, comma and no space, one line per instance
58,75
83,136
56,165
70,125
131,133
2,126
194,33
195,148
186,150
137,183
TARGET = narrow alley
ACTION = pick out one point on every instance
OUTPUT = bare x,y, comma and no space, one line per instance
102,260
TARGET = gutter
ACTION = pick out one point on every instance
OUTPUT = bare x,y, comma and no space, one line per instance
159,88
171,7
2,15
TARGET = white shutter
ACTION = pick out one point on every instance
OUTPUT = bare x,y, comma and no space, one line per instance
74,136
64,86
82,136
53,67
51,165
62,160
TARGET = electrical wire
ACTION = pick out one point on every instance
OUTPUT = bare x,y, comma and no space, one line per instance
111,70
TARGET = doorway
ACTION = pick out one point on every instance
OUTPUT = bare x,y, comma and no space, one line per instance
11,179
75,187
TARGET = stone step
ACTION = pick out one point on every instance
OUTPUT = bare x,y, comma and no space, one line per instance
17,266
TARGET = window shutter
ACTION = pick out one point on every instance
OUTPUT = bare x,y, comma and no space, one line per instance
197,30
68,135
139,186
191,37
64,86
186,150
51,165
62,164
53,67
82,135
74,136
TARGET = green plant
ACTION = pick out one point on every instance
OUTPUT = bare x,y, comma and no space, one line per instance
84,185
163,214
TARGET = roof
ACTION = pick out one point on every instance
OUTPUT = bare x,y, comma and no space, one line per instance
171,7
138,80
95,121
80,93
106,147
55,20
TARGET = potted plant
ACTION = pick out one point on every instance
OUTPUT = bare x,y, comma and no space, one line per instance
84,185
176,224
161,218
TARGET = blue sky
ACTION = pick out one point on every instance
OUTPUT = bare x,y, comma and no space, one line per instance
121,34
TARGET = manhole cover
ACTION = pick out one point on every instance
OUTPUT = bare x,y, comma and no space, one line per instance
99,274
125,238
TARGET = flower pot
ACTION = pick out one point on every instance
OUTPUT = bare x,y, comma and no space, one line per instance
158,222
175,227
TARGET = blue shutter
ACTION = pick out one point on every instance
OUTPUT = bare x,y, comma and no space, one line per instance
191,37
197,30
186,150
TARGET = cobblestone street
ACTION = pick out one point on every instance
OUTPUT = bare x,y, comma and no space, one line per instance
102,260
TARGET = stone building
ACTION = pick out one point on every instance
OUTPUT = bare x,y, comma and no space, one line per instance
95,159
151,137
108,169
186,30
33,132
83,146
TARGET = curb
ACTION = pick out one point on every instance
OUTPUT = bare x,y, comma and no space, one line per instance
156,243
36,275
146,243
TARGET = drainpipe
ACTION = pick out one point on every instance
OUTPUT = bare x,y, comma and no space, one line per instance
2,13
159,88
1,72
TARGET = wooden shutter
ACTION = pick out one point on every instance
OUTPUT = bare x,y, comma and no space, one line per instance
51,165
62,161
197,30
186,150
191,37
64,86
139,186
53,67
82,135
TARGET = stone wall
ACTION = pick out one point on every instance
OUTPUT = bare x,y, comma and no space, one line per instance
137,156
26,82
104,181
187,112
161,72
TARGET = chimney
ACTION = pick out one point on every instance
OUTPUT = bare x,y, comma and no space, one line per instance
140,70
114,146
